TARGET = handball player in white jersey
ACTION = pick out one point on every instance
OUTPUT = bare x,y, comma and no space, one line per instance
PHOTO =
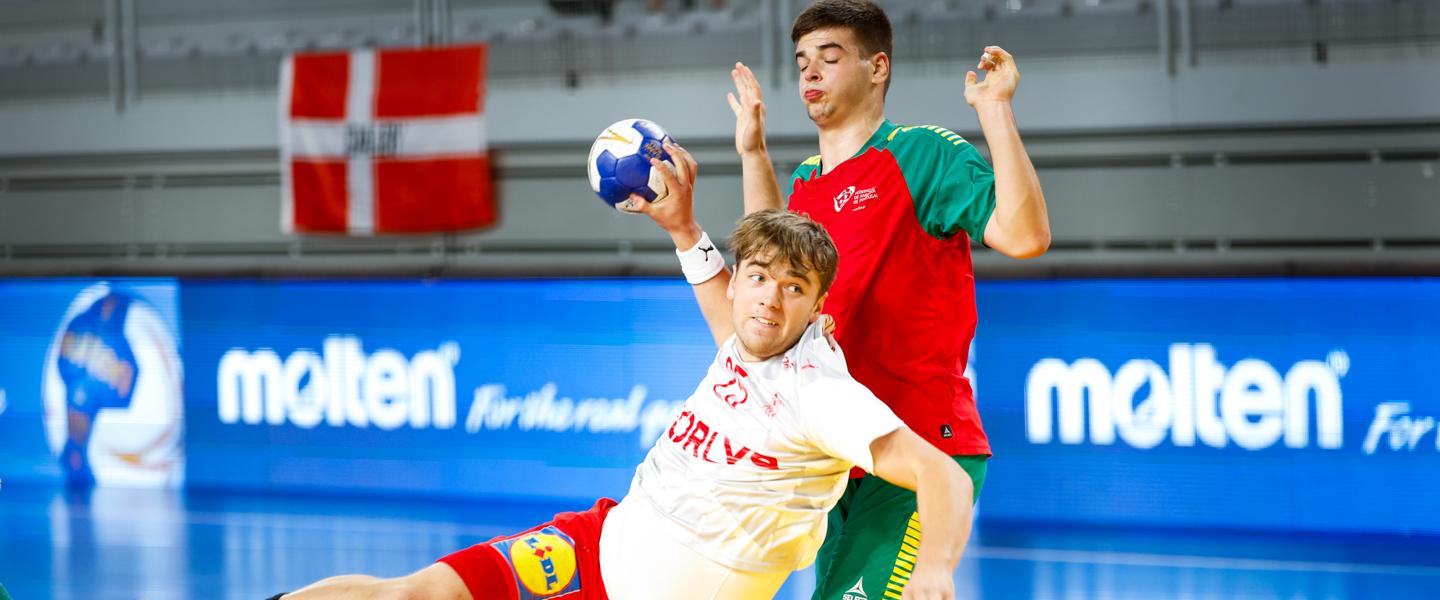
734,495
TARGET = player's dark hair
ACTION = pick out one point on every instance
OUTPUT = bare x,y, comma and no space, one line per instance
862,17
793,238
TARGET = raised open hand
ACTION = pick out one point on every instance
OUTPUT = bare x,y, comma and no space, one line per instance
1001,78
749,110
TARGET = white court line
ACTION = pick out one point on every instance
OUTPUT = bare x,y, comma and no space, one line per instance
1191,562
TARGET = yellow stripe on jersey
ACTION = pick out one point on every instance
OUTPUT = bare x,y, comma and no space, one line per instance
814,160
909,550
950,136
897,130
947,134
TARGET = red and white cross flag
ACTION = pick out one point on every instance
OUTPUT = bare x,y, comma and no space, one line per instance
385,141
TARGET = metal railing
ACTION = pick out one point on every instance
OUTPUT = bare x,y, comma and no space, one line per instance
127,53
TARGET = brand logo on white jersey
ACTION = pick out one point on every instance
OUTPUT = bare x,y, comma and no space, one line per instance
341,386
856,592
698,438
1197,397
733,392
771,408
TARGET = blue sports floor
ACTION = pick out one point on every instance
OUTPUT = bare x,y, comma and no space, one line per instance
133,544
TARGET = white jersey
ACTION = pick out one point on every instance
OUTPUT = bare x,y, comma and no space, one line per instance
760,453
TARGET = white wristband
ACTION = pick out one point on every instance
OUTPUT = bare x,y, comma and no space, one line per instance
702,262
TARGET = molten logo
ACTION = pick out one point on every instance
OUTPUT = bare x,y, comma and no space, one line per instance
341,386
1249,403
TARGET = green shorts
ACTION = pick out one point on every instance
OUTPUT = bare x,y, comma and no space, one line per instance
873,534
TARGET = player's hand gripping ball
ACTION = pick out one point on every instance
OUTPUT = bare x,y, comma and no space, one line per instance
620,161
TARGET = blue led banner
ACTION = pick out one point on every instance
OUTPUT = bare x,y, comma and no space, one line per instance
1288,404
1304,404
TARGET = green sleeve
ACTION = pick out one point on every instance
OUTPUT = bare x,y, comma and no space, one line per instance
951,184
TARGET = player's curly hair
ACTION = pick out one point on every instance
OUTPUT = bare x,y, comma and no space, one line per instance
862,17
793,238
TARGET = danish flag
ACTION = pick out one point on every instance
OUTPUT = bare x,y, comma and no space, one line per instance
385,141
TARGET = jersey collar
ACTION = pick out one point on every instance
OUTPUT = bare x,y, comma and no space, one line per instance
791,354
881,135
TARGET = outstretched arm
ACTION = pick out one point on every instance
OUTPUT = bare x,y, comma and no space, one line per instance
438,581
757,171
675,214
945,496
1020,225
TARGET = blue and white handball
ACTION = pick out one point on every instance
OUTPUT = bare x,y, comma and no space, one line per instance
620,161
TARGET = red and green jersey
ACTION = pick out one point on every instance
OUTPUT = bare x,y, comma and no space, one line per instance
902,212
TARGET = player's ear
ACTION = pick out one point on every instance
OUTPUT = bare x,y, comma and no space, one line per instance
819,307
879,68
730,287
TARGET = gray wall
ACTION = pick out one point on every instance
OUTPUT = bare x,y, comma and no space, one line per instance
1271,137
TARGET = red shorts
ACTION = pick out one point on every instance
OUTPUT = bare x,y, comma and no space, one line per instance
559,559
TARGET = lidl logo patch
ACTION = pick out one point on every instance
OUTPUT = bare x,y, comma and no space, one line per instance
544,563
